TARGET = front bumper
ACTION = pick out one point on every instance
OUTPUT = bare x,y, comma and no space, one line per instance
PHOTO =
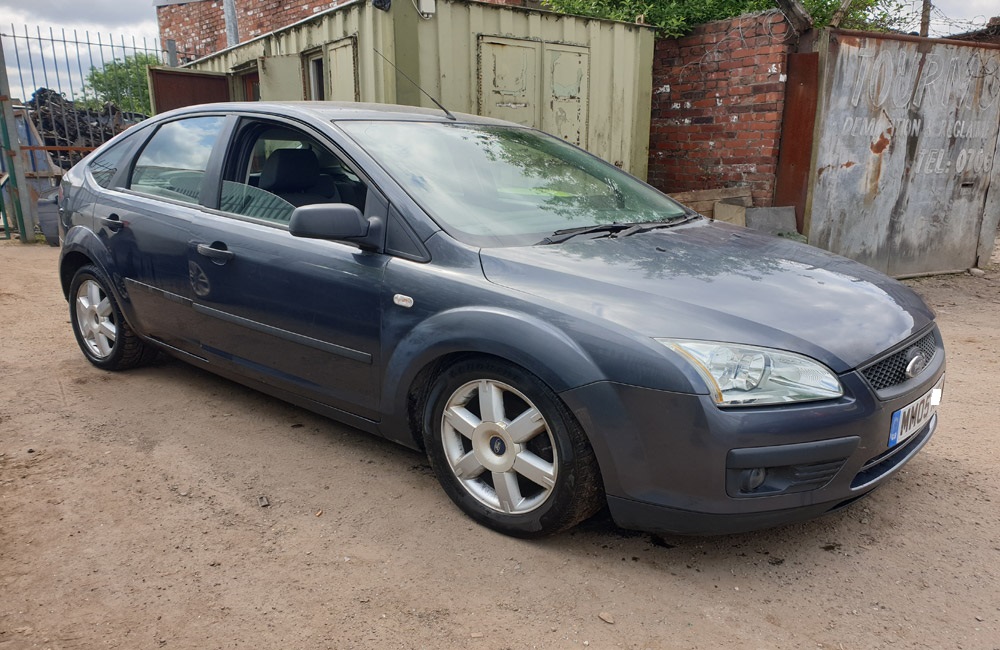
676,463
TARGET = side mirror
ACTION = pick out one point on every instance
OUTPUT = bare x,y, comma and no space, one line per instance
335,221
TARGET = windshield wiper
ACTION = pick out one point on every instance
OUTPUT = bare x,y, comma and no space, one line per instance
616,229
653,225
560,236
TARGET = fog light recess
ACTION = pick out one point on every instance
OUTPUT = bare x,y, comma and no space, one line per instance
751,479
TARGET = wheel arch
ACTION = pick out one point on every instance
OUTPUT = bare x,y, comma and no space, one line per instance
81,247
520,339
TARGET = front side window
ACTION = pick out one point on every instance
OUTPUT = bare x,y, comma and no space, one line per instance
282,168
506,186
174,161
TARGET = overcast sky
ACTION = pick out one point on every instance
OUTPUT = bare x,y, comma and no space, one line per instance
138,17
119,17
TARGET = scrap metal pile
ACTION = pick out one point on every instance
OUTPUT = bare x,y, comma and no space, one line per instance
73,127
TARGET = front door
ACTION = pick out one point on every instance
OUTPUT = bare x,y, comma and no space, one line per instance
296,313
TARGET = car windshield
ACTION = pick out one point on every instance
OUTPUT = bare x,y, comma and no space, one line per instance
506,186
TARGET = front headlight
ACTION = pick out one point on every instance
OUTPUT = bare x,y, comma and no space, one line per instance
744,375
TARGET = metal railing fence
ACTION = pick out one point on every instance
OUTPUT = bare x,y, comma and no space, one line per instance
78,90
63,94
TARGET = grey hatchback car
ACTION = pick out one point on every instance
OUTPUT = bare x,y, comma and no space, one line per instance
555,334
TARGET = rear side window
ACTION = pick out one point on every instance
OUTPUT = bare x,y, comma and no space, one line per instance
105,166
173,163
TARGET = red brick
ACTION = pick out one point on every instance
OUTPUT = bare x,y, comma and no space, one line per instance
727,60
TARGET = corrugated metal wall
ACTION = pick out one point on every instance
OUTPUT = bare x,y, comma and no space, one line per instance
589,81
906,163
618,74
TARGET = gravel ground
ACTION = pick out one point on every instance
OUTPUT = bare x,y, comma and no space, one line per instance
129,518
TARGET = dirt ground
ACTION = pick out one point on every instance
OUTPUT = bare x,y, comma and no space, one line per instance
129,518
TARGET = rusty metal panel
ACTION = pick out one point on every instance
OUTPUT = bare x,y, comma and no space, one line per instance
508,80
171,88
797,125
906,150
512,73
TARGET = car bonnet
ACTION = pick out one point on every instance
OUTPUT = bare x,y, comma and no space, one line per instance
712,281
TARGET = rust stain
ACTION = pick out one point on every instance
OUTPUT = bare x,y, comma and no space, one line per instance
848,164
883,141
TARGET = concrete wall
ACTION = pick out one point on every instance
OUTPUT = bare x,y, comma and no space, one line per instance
718,98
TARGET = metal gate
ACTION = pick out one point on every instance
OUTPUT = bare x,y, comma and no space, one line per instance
905,172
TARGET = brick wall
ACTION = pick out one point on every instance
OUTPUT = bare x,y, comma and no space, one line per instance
198,27
718,97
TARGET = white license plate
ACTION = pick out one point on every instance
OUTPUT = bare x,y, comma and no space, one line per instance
910,419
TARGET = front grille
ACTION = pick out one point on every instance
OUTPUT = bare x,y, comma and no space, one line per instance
891,371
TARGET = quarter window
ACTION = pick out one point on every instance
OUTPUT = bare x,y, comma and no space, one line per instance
173,163
105,166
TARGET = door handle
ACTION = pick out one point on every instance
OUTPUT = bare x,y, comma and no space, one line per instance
217,255
113,223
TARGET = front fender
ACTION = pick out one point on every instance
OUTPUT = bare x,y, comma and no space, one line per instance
527,341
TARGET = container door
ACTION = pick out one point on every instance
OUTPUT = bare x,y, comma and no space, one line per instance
508,80
281,78
566,82
343,58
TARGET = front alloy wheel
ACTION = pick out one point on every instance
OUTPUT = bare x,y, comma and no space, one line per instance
507,450
499,446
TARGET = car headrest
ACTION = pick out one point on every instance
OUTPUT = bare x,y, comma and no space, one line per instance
289,170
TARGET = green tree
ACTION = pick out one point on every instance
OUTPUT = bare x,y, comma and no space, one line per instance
122,82
678,17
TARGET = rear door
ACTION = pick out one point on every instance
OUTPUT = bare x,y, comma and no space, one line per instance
148,223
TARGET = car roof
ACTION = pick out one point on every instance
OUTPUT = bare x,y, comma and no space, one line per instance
338,111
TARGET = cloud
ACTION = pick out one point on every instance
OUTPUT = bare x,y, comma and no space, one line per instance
54,43
954,16
96,15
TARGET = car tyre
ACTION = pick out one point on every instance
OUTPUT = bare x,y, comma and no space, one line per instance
508,451
100,328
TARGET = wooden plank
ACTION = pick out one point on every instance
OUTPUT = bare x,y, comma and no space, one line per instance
703,201
695,196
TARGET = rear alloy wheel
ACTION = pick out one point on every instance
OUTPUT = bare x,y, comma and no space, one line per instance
508,452
101,331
